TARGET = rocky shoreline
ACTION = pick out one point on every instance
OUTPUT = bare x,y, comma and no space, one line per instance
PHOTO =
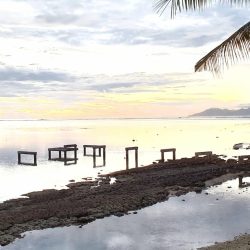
133,189
241,242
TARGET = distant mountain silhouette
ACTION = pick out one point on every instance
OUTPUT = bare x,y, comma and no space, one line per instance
223,112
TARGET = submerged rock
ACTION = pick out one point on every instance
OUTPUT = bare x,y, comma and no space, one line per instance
241,145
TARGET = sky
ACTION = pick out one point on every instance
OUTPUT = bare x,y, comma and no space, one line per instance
77,59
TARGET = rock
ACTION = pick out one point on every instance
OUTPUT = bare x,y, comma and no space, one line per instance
6,239
118,214
231,161
137,188
199,184
85,220
197,190
100,215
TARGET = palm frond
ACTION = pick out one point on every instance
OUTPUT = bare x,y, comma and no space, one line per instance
233,49
185,5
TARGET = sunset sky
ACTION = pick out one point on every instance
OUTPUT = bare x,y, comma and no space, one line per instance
76,59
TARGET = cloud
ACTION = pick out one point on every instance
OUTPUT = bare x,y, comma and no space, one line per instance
78,23
179,38
16,82
58,18
11,74
140,82
67,41
112,86
112,24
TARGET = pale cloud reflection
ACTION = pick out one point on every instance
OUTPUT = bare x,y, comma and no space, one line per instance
187,222
120,241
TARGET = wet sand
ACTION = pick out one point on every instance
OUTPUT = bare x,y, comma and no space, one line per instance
134,189
240,243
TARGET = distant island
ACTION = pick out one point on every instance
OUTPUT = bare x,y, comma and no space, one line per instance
244,112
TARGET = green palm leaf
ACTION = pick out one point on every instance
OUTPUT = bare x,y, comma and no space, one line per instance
233,49
185,5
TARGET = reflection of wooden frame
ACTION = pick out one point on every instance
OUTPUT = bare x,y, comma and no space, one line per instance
127,156
63,150
163,151
20,153
101,151
208,154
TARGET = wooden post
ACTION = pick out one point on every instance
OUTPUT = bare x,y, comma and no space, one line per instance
162,156
19,158
127,159
104,155
174,155
240,181
136,158
94,156
49,154
75,153
127,156
65,157
35,158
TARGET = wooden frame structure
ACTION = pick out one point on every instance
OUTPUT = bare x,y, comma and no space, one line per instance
19,156
163,151
127,149
62,154
243,158
97,151
208,154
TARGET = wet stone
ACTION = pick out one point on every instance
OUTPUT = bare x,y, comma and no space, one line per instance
119,214
86,220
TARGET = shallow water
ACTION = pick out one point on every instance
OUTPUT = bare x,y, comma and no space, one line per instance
186,222
151,135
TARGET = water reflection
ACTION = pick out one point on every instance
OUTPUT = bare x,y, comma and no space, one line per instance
149,135
185,222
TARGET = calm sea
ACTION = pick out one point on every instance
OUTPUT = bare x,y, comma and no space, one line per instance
150,135
186,222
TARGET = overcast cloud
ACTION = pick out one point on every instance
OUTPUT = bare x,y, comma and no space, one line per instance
62,48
